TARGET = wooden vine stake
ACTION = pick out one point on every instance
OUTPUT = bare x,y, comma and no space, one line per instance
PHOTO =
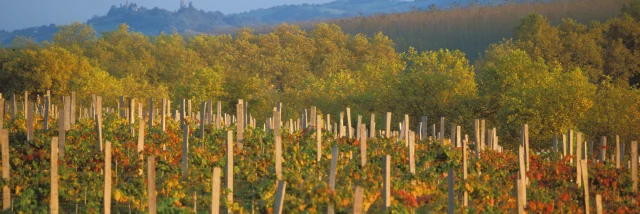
442,131
240,123
6,167
215,190
151,186
522,176
140,130
98,119
318,136
412,150
349,130
520,195
53,204
465,165
452,201
107,178
363,146
372,126
598,204
278,145
579,158
332,174
386,191
185,151
279,200
61,132
617,152
358,197
228,174
634,165
387,131
585,182
29,124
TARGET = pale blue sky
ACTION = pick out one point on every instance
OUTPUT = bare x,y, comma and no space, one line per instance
17,14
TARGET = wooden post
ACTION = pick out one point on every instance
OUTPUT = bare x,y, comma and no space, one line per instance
239,124
151,185
132,111
107,178
349,131
228,174
203,108
522,176
312,118
278,147
218,115
163,119
279,199
476,134
150,113
98,119
458,136
372,126
424,128
61,133
578,158
358,197
525,142
433,131
564,145
412,159
442,130
140,133
634,165
215,190
185,151
47,106
6,167
598,204
183,111
483,137
520,195
617,152
585,181
570,139
25,103
405,129
358,128
363,145
452,200
67,114
318,137
54,206
465,197
603,148
14,107
29,124
388,126
332,174
386,191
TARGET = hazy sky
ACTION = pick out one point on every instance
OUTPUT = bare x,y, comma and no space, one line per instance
17,14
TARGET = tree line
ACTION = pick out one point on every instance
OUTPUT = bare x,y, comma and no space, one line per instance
553,77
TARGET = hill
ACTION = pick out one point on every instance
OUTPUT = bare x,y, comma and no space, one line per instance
190,20
472,29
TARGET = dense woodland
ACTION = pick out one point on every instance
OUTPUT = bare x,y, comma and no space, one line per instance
553,77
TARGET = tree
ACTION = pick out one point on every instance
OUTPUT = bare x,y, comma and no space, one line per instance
436,84
517,89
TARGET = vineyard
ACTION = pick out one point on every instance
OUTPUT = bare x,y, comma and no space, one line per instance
135,158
